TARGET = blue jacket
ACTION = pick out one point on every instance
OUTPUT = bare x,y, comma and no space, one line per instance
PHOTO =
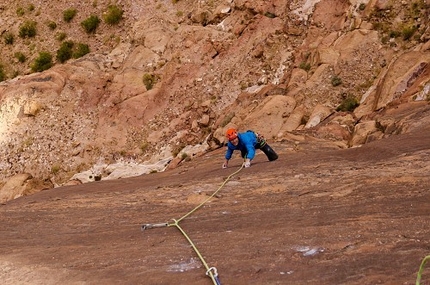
247,143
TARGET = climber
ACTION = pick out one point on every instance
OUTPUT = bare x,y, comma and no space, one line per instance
247,143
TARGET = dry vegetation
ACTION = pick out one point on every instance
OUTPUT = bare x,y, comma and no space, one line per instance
38,34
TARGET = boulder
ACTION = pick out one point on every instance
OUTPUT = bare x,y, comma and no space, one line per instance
31,108
319,113
402,74
382,4
270,115
361,132
15,186
293,121
327,56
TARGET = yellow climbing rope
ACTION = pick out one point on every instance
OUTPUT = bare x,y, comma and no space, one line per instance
210,271
420,271
211,196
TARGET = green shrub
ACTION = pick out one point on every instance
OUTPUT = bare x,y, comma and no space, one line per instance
184,156
394,34
20,56
28,29
362,6
20,11
65,51
61,36
69,14
80,50
336,81
69,49
348,104
149,80
305,66
43,62
113,15
9,38
52,25
2,73
144,146
270,15
90,24
55,169
408,31
31,7
417,9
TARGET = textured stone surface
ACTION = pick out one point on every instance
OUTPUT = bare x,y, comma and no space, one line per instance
318,214
223,63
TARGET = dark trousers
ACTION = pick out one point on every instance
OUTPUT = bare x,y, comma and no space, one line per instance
264,147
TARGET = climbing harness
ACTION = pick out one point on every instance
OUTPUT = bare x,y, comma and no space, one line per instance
210,271
264,147
261,141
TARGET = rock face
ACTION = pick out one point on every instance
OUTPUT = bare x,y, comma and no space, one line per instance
167,77
15,187
316,215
